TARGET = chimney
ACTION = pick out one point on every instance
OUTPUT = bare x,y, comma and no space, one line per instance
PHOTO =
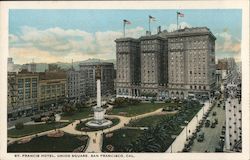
159,30
148,33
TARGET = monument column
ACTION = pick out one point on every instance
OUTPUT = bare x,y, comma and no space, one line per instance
98,83
99,112
98,86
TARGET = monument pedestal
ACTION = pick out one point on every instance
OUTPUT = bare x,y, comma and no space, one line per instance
99,120
99,112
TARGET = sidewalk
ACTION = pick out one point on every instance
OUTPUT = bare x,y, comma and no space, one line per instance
180,140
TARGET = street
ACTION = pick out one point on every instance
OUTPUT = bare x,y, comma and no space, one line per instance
28,119
212,135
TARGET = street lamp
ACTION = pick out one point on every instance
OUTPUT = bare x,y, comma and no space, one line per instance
203,109
186,122
197,119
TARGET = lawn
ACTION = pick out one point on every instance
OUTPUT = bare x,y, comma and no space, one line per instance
34,129
84,113
121,139
66,143
187,112
83,127
133,110
147,121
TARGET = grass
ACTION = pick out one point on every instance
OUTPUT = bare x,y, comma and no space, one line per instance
34,129
147,121
121,139
120,143
138,109
84,113
189,112
79,126
66,143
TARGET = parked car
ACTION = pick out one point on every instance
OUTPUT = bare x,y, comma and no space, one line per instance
216,120
207,123
200,137
213,125
214,113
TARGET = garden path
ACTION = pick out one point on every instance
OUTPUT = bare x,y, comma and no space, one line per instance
95,137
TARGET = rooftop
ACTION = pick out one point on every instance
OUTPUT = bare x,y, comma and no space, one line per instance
52,75
95,63
165,34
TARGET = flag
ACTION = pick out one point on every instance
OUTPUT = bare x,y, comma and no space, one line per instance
180,14
126,21
152,18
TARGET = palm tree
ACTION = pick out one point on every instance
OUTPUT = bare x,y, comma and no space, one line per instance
134,146
148,143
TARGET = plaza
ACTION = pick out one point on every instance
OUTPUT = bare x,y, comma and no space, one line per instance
97,139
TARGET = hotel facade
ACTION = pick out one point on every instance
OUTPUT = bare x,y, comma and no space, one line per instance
167,64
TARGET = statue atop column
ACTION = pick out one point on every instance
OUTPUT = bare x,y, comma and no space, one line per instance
98,72
99,112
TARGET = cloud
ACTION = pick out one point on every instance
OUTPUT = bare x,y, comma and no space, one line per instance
56,40
66,44
173,27
227,45
58,44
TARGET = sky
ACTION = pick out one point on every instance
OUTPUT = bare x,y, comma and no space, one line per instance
62,35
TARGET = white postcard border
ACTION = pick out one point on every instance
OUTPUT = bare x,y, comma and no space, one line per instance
240,4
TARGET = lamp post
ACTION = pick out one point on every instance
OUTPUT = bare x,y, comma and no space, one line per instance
197,119
203,109
186,122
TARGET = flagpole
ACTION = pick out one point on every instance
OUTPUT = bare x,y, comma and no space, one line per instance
124,23
177,16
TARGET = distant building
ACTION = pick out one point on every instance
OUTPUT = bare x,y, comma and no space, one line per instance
31,67
222,64
10,65
226,66
52,89
22,93
54,68
76,85
167,64
107,78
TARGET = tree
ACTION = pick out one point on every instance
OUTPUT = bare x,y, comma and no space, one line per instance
80,105
152,100
69,109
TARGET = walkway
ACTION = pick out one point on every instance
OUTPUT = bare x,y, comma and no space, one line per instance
95,137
